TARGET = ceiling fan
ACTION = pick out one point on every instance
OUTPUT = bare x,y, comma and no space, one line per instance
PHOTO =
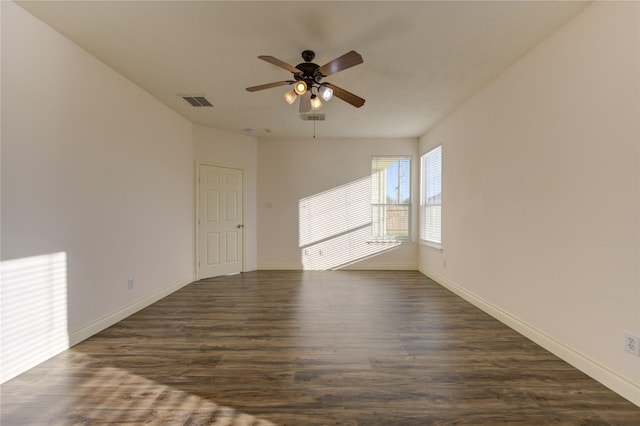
307,80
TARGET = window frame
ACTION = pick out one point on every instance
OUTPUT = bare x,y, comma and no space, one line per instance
409,206
424,199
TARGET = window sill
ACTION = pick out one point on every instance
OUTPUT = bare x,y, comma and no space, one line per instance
435,246
389,241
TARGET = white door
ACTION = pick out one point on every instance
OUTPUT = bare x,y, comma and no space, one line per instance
220,228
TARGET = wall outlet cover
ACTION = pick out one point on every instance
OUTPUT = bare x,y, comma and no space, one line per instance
632,343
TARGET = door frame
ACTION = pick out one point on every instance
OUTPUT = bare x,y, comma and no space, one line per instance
199,164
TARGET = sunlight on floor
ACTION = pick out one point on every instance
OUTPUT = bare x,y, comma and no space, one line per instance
112,395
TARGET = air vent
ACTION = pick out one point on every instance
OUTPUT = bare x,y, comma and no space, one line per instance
312,117
197,100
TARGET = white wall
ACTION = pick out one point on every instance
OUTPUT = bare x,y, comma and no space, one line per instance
541,194
97,187
328,171
220,148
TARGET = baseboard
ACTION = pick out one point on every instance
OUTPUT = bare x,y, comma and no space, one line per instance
350,267
84,333
280,267
380,267
614,381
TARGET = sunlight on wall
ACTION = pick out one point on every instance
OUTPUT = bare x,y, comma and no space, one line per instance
34,311
335,227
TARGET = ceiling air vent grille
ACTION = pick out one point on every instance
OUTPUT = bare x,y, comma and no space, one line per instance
312,117
197,100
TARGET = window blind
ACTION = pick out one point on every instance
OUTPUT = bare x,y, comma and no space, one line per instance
431,165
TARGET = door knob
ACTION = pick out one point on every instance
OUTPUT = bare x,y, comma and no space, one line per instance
240,226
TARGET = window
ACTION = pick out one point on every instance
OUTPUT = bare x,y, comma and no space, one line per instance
432,196
391,197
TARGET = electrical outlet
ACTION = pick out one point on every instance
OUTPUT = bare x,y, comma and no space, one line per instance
130,283
632,343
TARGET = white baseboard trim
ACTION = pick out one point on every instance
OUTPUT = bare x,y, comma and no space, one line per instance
84,333
350,267
280,267
380,267
621,385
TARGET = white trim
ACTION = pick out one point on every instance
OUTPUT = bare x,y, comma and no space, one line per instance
381,267
280,267
196,223
603,374
435,246
84,333
350,267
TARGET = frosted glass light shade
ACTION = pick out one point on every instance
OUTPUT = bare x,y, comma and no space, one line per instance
316,104
326,93
290,97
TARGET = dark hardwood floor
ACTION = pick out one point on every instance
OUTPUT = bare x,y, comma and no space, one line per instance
310,348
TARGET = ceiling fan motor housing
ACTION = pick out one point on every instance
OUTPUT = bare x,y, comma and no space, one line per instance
308,70
308,55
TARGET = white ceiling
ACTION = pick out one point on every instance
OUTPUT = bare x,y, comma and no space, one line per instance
421,58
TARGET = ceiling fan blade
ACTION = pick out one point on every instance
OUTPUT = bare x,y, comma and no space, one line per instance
305,102
346,96
268,86
279,63
345,61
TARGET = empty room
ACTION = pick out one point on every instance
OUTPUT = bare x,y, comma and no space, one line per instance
317,212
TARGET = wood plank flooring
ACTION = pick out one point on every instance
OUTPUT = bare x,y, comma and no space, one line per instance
310,348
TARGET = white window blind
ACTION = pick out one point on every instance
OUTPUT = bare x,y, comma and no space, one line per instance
390,197
431,165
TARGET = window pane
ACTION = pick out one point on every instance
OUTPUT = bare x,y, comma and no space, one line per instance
390,221
390,196
391,178
433,223
432,195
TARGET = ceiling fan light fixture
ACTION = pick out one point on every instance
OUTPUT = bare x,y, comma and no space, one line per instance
326,93
300,87
290,97
306,80
316,104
